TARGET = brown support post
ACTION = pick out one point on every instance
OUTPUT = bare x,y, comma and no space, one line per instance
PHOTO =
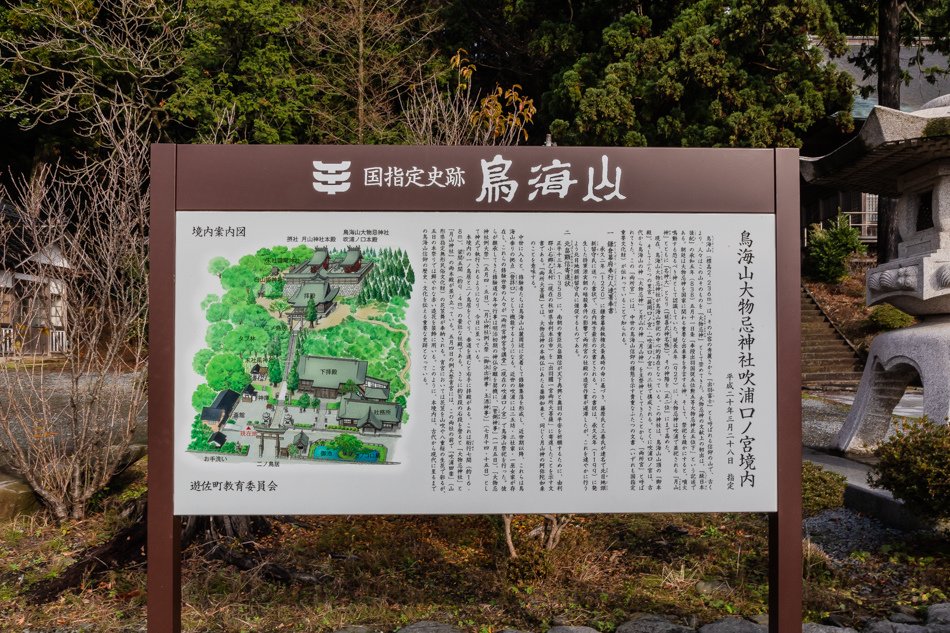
164,533
785,525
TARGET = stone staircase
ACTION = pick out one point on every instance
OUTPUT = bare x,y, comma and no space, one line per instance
828,361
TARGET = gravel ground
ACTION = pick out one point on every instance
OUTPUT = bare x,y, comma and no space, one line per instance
840,531
821,421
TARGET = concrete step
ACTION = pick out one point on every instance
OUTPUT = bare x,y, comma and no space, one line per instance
839,376
820,354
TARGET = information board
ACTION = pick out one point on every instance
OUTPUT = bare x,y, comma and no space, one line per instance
381,329
474,362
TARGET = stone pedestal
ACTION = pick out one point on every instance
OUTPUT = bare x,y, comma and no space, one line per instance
895,358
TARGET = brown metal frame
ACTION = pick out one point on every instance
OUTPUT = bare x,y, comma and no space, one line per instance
276,178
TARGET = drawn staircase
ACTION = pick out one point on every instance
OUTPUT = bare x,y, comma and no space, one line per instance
828,359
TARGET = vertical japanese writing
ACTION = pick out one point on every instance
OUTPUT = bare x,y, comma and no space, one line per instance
665,304
473,357
746,360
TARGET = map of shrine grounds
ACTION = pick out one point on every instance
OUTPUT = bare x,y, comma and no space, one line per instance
426,361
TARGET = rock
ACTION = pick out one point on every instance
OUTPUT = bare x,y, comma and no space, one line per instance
513,631
427,626
572,629
652,624
711,587
733,625
938,614
835,621
761,618
903,618
885,626
16,497
812,627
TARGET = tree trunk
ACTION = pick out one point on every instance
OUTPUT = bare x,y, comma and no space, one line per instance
888,95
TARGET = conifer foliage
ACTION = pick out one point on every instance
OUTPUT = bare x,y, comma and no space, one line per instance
392,276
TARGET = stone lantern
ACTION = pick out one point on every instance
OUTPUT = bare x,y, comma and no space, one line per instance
905,156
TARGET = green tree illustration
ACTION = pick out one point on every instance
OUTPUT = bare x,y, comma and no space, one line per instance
311,312
218,265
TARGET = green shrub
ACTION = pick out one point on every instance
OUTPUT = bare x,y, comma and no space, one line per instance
887,317
915,466
829,249
821,489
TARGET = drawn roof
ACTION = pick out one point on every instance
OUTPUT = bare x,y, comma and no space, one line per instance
226,400
320,291
353,255
319,256
212,414
218,439
329,373
376,393
374,413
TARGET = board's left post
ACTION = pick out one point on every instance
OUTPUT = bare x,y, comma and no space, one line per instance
163,548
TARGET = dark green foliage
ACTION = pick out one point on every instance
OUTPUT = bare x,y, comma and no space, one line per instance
391,276
293,378
715,74
304,400
239,64
310,313
347,444
226,371
915,466
274,373
821,489
887,317
830,248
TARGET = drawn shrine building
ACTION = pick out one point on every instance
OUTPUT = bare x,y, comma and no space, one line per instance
327,377
221,409
322,279
363,399
369,415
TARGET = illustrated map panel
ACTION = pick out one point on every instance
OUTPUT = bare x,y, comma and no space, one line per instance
422,362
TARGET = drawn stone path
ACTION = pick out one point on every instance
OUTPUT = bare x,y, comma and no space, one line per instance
291,349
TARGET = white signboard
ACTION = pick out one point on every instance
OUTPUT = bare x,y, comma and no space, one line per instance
371,363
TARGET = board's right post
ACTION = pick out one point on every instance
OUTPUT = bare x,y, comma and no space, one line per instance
785,525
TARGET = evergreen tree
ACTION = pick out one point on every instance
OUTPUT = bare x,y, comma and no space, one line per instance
274,373
311,311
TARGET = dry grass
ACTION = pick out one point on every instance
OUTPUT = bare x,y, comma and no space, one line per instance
384,572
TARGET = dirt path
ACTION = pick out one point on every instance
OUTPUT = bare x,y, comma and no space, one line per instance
340,312
362,315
